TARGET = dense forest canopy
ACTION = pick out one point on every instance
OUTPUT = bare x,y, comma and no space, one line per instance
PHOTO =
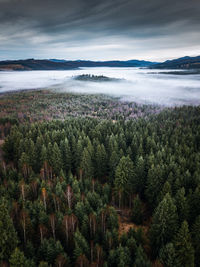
101,192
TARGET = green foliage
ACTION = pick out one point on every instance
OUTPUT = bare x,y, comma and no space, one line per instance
182,205
141,259
86,163
81,245
183,247
119,257
43,264
167,255
8,235
140,175
164,223
124,175
17,259
49,250
137,211
69,177
196,237
101,161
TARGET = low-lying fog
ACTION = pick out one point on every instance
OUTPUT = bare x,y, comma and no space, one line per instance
139,85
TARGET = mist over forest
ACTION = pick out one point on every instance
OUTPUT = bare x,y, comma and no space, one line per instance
99,133
132,84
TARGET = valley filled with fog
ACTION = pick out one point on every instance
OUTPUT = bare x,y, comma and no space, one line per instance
133,84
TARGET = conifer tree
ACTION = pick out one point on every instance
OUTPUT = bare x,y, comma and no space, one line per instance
43,156
181,205
167,255
66,155
57,159
166,189
196,238
154,184
113,161
164,224
81,245
141,258
124,176
183,247
140,175
137,213
100,161
8,235
123,256
86,164
17,259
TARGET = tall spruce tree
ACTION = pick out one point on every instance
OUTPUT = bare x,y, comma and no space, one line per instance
196,238
124,176
183,247
8,235
141,259
167,255
18,259
86,164
181,205
137,212
164,224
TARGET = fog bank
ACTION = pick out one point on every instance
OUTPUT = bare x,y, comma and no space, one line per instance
138,85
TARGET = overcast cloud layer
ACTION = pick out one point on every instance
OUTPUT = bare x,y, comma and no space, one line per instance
99,30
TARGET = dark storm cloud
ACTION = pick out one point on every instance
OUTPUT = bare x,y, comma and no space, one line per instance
52,15
76,22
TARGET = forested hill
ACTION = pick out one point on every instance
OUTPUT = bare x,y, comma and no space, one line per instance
66,187
53,64
180,63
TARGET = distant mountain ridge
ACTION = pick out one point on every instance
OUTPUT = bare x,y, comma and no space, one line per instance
57,64
179,63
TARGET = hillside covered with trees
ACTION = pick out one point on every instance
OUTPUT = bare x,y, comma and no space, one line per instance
191,63
67,185
54,64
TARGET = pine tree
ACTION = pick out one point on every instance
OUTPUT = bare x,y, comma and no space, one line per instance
183,247
86,164
154,184
166,189
17,259
123,257
66,155
78,153
24,164
164,224
8,236
49,250
137,213
194,200
140,176
43,156
32,153
195,238
81,245
167,255
181,205
141,258
113,161
57,159
100,161
124,176
132,246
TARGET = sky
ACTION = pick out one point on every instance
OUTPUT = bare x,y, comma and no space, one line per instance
154,30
